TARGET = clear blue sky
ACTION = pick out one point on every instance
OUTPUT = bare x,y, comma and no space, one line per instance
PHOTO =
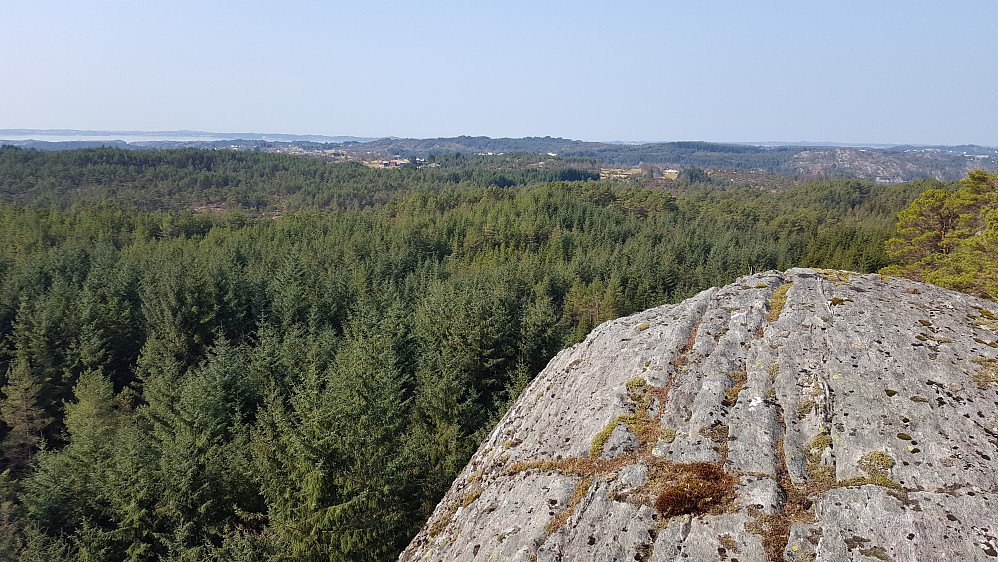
875,71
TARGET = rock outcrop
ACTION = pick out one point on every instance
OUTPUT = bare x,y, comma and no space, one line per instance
806,415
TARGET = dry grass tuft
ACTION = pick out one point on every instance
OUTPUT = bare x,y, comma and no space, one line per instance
805,407
581,489
988,374
821,474
472,496
738,378
777,302
816,447
698,488
818,474
876,464
774,529
667,434
773,370
835,276
680,361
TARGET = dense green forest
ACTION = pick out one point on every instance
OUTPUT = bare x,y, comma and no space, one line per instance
185,179
300,373
949,237
892,164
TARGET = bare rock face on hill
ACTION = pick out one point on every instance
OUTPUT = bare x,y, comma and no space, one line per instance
806,415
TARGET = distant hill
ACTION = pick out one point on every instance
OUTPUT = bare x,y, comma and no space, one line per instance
883,164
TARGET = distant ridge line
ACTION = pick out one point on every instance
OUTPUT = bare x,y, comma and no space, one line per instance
890,164
292,137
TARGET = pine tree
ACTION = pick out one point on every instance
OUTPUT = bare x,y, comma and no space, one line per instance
950,238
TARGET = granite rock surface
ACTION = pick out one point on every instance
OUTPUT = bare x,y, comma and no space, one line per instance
798,416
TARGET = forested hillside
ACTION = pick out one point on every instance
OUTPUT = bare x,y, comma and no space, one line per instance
883,165
185,179
302,372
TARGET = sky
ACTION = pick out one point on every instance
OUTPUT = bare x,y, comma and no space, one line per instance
869,71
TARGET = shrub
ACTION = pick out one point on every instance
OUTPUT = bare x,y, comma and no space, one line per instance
700,488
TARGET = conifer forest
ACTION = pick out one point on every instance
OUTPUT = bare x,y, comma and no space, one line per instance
219,355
